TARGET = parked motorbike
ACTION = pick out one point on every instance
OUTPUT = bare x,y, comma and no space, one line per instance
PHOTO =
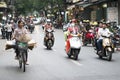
73,46
89,38
116,38
49,38
107,48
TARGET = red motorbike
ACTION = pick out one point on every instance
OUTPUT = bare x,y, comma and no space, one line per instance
89,38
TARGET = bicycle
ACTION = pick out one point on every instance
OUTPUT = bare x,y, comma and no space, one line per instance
22,57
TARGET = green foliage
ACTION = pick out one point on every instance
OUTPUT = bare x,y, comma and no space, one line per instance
23,6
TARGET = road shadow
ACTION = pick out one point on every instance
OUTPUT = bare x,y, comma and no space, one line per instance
104,59
72,58
14,69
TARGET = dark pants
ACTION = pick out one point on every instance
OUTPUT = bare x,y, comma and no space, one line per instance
16,48
99,44
9,35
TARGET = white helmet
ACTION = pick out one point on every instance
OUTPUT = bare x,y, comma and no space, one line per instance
48,20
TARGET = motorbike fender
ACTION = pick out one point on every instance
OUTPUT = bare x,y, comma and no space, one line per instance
109,49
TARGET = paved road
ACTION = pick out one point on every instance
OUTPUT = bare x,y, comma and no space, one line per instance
55,65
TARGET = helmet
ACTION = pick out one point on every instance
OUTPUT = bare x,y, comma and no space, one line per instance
48,20
74,20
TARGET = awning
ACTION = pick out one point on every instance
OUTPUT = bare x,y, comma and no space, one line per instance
82,4
70,7
86,5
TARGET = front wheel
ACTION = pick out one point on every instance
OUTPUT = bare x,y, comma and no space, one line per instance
49,44
69,55
109,55
24,61
100,56
20,62
76,57
76,52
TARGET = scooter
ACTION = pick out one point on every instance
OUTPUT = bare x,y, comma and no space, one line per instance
89,38
49,39
73,46
31,27
107,48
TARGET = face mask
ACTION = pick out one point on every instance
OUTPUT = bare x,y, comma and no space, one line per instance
104,28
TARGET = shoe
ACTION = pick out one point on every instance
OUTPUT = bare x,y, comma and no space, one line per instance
95,48
27,63
16,57
99,52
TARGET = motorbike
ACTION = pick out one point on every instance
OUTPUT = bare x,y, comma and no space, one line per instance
49,38
107,48
116,38
31,27
73,46
89,38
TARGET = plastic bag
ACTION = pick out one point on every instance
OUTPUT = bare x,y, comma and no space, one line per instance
31,44
25,38
10,44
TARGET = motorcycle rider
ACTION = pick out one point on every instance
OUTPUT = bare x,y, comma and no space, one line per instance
104,31
96,32
18,32
47,26
74,28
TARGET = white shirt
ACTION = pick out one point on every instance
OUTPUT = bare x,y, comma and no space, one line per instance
9,27
104,32
19,32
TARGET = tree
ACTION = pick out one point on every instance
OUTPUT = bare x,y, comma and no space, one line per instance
23,6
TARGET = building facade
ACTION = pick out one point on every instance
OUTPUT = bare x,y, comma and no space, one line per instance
97,10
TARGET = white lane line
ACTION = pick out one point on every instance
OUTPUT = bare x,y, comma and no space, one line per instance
77,63
54,50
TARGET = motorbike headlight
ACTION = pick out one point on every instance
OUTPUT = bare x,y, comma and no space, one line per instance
107,43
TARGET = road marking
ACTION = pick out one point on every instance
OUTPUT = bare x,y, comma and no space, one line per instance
54,50
77,63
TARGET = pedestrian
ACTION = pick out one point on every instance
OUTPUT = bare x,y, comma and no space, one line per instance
9,31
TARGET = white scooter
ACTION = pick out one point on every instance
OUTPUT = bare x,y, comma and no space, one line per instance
73,46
